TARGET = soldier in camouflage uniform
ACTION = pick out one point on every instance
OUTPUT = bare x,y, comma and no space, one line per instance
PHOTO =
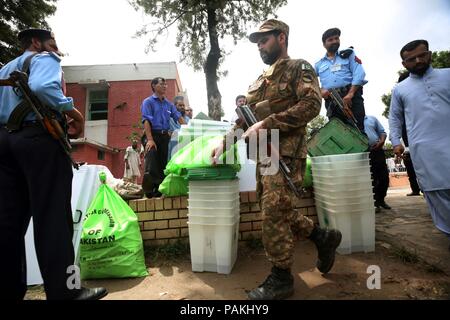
285,98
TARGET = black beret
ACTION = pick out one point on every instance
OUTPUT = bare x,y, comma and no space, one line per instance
330,33
36,33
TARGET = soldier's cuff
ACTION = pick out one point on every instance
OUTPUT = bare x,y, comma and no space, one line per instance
268,123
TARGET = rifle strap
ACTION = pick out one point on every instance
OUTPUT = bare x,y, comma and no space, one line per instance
19,113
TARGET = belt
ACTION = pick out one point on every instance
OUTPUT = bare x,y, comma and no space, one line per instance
32,123
25,124
161,132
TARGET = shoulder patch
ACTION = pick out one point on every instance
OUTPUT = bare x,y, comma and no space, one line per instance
357,60
55,56
307,66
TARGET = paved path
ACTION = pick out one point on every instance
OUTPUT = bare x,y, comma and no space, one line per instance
409,225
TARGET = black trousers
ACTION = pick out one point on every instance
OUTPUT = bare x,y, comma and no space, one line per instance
155,162
411,173
357,108
35,181
380,174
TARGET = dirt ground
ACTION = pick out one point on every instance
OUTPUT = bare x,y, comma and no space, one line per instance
402,277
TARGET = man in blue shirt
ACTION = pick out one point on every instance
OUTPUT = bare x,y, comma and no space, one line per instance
341,70
422,103
36,176
156,111
380,173
178,102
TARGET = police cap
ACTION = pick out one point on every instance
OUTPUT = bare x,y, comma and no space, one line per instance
268,26
330,33
36,33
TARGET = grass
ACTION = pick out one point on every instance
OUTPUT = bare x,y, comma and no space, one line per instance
406,256
167,253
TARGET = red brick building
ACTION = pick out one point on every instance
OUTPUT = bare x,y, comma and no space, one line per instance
110,97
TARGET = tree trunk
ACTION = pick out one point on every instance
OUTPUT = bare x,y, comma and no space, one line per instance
211,66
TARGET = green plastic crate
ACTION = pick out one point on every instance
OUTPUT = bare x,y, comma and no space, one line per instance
337,138
220,172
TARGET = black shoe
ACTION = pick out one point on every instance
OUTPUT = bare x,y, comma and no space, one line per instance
326,242
413,194
91,294
385,206
278,285
147,185
157,194
377,210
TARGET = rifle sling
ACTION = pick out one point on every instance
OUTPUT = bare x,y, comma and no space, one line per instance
19,113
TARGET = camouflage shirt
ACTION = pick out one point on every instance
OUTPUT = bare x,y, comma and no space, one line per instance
286,97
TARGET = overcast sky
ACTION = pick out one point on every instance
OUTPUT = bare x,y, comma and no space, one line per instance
101,32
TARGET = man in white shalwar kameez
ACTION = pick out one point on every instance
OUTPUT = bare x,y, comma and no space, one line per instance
424,100
132,163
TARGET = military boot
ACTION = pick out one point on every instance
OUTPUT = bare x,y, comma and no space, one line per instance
278,285
326,242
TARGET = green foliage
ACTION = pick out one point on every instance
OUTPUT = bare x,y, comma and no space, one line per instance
439,59
137,132
18,15
388,150
315,124
201,25
193,21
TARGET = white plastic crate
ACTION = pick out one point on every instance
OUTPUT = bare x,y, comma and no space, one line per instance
366,204
332,192
232,185
358,171
222,204
340,157
198,195
357,228
336,165
213,247
218,212
213,220
342,187
362,178
341,201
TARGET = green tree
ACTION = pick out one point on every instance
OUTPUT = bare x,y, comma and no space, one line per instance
439,59
315,124
19,15
201,23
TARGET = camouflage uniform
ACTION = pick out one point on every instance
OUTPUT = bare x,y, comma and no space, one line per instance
293,93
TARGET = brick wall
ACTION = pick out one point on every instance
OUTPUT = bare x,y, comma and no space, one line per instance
120,119
89,154
164,220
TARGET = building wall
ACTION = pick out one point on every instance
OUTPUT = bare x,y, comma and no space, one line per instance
124,112
89,154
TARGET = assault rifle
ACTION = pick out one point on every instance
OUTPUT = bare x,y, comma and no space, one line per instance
246,115
44,114
335,96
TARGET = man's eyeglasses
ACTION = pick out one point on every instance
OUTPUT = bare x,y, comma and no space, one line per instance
421,56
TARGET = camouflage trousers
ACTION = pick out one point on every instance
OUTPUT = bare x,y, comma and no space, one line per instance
281,223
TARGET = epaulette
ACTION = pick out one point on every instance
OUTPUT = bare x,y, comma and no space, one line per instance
55,56
344,54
